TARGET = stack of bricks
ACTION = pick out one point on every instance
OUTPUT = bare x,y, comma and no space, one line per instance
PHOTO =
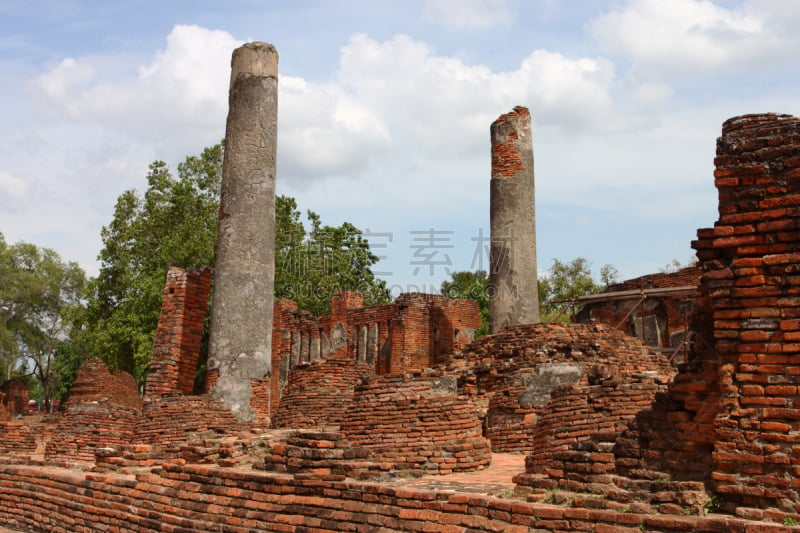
227,451
509,425
506,159
130,458
171,420
319,393
751,264
102,410
322,455
502,371
16,438
417,422
94,383
180,333
5,414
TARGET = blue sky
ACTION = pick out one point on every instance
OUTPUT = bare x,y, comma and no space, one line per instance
384,114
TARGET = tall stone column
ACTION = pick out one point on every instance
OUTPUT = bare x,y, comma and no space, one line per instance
241,315
513,292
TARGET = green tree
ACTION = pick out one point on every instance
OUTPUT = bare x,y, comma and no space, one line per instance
175,224
564,282
609,275
313,266
38,291
472,286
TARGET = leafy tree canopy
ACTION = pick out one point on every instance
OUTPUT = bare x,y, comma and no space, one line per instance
566,281
558,288
38,292
175,224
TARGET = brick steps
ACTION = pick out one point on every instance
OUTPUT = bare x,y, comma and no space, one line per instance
326,455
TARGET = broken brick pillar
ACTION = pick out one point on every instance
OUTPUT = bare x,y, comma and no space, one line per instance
513,293
179,336
750,261
241,315
16,396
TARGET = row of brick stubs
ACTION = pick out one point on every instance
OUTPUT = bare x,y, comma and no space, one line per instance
201,498
751,264
319,393
417,422
179,335
197,448
410,334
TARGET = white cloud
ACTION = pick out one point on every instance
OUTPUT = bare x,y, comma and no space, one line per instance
445,105
12,190
469,14
324,132
170,99
683,37
61,82
411,125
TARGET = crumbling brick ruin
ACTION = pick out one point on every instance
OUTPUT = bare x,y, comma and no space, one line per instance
657,308
512,374
615,438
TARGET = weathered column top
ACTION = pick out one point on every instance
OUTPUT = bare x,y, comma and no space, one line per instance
256,59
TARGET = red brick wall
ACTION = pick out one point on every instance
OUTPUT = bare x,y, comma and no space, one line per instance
180,332
730,420
410,334
195,498
173,419
751,265
16,437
